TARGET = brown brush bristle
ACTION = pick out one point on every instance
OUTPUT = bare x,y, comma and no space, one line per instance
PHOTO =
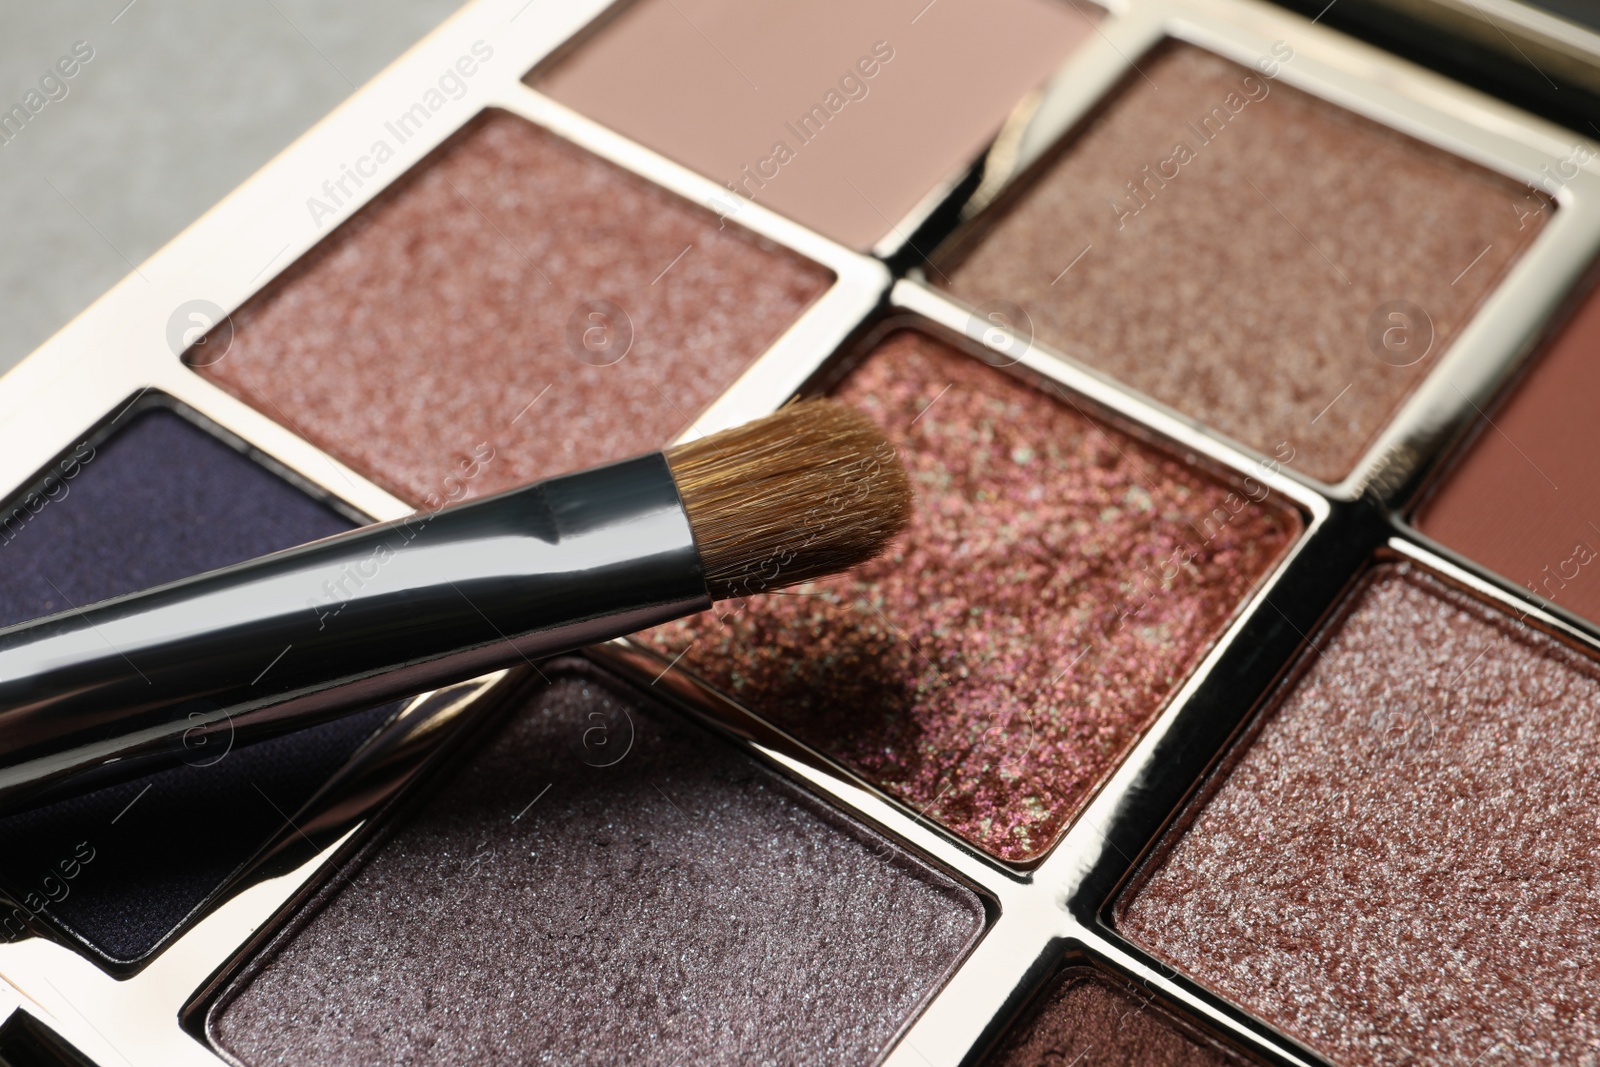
811,490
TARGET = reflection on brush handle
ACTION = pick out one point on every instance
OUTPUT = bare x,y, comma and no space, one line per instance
177,672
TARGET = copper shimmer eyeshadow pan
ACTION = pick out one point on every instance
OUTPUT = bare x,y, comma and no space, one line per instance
1086,1020
1525,498
607,884
1252,256
514,297
1057,583
841,114
1404,866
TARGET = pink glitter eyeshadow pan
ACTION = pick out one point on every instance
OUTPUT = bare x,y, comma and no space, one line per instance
1059,581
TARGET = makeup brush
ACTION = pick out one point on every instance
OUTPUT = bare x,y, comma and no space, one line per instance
401,607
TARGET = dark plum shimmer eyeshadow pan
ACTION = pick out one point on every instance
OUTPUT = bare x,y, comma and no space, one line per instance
1058,583
1403,867
1257,258
1087,1020
605,883
514,296
159,500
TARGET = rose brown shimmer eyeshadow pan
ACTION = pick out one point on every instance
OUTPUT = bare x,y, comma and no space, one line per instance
842,114
1248,279
452,318
606,884
1525,498
1085,1020
1404,866
1057,583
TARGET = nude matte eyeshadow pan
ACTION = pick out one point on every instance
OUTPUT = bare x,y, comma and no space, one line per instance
607,884
1087,1020
1253,256
513,297
1058,582
1404,866
841,114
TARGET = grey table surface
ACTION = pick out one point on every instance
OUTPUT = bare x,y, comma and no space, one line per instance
181,101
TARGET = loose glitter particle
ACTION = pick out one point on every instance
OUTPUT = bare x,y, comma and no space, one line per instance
1404,866
1058,582
1086,1020
607,884
512,309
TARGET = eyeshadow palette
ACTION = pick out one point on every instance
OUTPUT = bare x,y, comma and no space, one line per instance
1229,699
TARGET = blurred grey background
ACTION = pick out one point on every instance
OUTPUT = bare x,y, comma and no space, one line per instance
182,101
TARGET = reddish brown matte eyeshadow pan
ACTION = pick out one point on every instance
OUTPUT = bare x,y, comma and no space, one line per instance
1058,582
1525,499
1404,866
513,296
1244,246
1085,1020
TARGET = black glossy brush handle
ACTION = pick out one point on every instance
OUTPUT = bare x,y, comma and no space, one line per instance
342,623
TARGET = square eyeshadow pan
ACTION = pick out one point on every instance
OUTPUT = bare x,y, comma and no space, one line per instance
841,114
1524,498
1087,1020
1281,269
513,297
606,884
157,500
1401,867
1058,582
